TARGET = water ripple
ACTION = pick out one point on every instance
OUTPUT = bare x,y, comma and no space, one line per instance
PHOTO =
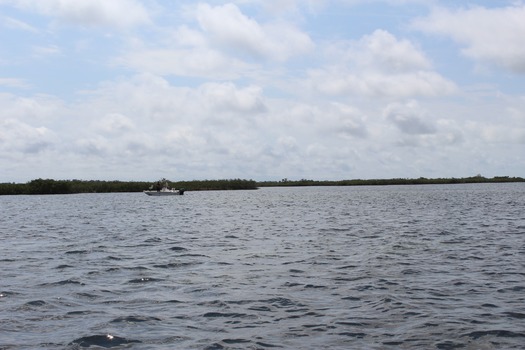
404,267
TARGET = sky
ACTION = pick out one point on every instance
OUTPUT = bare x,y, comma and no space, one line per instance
261,89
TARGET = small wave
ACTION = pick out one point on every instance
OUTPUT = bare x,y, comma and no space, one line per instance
77,252
260,308
296,271
393,343
194,255
174,301
135,319
315,327
178,249
213,303
294,262
454,241
282,302
346,267
292,284
105,341
348,279
445,233
5,294
512,289
449,345
266,345
63,266
515,315
36,303
353,334
473,257
62,283
236,341
81,312
144,280
314,286
365,287
114,258
351,298
226,315
174,265
495,333
489,305
352,324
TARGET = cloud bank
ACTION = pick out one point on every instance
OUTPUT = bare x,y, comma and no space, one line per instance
137,90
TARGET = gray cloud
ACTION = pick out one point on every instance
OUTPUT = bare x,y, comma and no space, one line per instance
409,119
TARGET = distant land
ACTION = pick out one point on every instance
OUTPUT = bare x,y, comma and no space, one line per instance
50,186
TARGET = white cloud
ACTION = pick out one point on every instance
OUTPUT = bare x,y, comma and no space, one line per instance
241,90
382,50
183,52
340,120
492,35
194,62
114,123
231,29
227,97
226,45
145,99
114,13
39,108
380,65
289,6
147,116
341,81
287,143
18,137
499,134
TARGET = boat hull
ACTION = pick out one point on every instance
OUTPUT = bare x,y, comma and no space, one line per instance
164,193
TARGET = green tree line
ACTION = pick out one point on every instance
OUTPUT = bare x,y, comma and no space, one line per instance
395,181
50,186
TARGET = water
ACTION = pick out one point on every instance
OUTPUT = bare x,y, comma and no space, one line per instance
397,267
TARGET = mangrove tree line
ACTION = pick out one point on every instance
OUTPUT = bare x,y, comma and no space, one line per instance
50,186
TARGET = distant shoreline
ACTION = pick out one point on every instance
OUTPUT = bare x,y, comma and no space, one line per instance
50,186
395,181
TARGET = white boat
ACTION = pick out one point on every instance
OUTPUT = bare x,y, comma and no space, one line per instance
159,189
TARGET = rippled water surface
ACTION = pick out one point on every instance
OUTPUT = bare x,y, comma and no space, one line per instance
396,267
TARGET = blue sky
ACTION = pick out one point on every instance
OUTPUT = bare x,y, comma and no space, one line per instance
263,90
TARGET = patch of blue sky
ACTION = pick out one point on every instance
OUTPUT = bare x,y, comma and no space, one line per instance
347,22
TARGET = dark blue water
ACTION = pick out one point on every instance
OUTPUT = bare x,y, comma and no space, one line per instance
396,267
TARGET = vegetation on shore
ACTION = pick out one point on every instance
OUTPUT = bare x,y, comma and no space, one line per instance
385,182
49,186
